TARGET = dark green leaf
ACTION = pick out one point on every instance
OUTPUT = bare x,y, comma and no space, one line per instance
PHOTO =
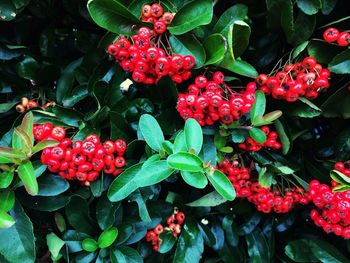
215,48
192,15
17,242
8,10
52,185
112,15
309,7
168,241
7,200
284,138
299,251
232,14
105,212
241,34
241,67
208,200
258,249
259,105
340,64
125,254
5,107
188,45
337,105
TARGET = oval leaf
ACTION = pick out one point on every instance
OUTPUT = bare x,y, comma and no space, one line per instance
195,179
107,237
151,132
185,162
193,135
89,245
222,184
153,174
258,135
26,173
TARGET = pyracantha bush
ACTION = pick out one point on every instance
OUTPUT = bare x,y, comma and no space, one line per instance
174,131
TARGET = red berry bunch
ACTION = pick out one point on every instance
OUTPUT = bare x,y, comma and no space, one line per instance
265,199
333,209
343,167
80,160
154,14
252,146
174,223
333,35
302,79
143,56
209,101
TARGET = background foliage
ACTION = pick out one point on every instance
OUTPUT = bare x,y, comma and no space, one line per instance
55,51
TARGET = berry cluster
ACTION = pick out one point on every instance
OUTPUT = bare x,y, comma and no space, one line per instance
343,167
251,145
209,101
174,223
26,104
333,209
333,35
144,57
265,199
306,78
154,14
80,160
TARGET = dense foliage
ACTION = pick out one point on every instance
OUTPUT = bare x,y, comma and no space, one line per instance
176,131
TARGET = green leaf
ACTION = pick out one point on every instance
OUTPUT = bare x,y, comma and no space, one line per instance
208,200
5,107
215,48
299,49
124,184
89,245
337,104
44,144
232,14
66,81
340,64
258,135
52,185
304,108
230,229
258,248
107,237
324,52
6,179
299,251
259,105
190,16
340,177
194,135
17,242
7,200
151,132
112,15
241,34
309,7
105,212
184,161
141,203
328,6
303,28
241,67
222,184
60,222
26,173
265,178
237,136
125,254
77,212
6,220
168,241
27,126
153,174
284,138
195,179
188,45
8,155
28,68
22,140
8,10
190,245
54,244
180,142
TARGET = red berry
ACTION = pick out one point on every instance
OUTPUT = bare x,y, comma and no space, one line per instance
343,39
331,34
156,10
159,27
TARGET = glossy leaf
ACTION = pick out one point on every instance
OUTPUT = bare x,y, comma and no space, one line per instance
54,244
195,179
27,175
180,142
52,185
259,105
7,200
192,15
193,135
215,47
208,200
222,184
184,161
151,132
107,237
168,242
44,144
340,64
89,245
6,220
153,173
258,135
309,7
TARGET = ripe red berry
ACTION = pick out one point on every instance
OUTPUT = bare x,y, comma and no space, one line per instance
343,39
156,10
331,34
159,27
58,133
